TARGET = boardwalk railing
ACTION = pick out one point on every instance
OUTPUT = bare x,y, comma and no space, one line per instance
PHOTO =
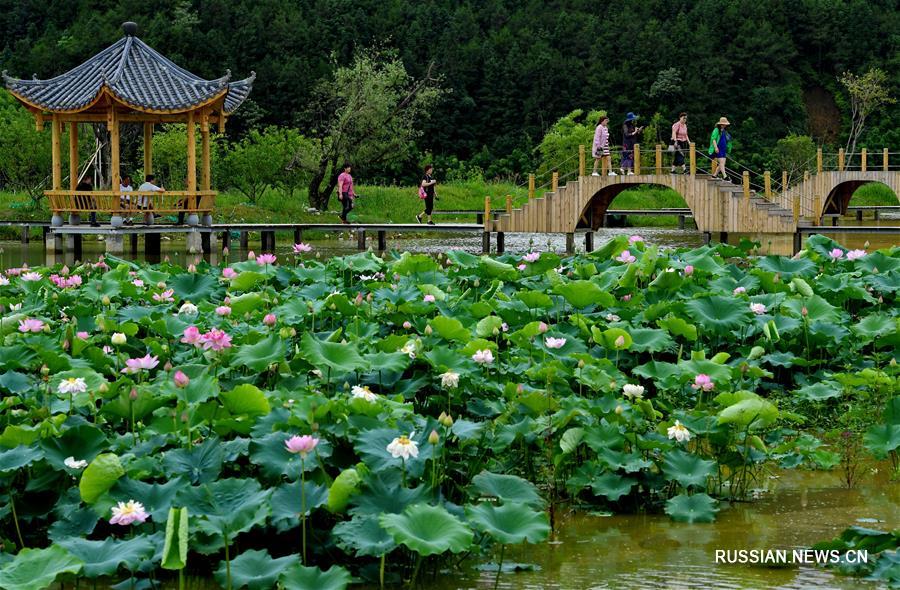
131,202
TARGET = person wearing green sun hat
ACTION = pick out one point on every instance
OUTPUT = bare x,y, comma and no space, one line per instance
720,147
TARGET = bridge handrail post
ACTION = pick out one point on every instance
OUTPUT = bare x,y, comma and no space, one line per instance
819,161
530,186
796,209
658,159
767,181
884,164
509,204
862,160
746,176
487,213
637,158
582,161
784,181
817,203
554,183
693,156
841,160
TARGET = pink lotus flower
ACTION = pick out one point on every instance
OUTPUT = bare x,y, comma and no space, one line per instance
543,327
251,255
739,290
301,248
635,239
522,267
758,308
626,297
836,254
191,268
107,349
620,342
626,257
223,310
855,254
301,445
137,283
229,273
192,336
180,379
30,325
551,342
31,276
64,270
128,513
137,365
531,257
688,270
266,259
73,281
504,327
216,340
164,297
429,298
269,319
703,382
483,357
83,335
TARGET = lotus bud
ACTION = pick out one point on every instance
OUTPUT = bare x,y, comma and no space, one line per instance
161,285
103,388
581,364
185,417
167,367
893,362
359,299
164,348
520,388
441,417
332,307
880,299
105,301
346,386
65,345
285,333
620,342
369,297
293,332
407,325
619,410
477,283
251,255
55,297
866,245
181,380
225,251
314,427
118,338
543,327
191,268
496,331
133,395
269,319
447,421
804,312
428,330
744,368
688,270
434,438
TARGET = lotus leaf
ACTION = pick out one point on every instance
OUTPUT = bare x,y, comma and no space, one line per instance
510,523
427,530
691,509
254,570
298,577
37,569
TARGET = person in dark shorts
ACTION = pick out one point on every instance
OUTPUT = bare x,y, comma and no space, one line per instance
681,142
345,191
427,188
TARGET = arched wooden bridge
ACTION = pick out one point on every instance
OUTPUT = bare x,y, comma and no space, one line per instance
717,205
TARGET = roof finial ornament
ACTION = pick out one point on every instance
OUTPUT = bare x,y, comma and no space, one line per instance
130,29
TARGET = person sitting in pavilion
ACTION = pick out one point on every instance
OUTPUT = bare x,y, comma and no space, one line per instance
148,186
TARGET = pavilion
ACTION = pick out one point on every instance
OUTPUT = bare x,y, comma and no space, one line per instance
130,82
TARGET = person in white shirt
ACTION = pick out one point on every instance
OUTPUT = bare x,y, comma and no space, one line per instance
148,186
125,200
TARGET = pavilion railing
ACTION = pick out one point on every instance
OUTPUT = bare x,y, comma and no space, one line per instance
131,202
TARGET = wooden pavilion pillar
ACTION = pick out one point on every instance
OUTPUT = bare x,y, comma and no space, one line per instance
73,155
191,154
56,152
148,148
114,154
205,172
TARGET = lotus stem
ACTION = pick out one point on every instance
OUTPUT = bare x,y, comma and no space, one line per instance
499,566
227,564
303,510
381,572
181,579
12,505
415,574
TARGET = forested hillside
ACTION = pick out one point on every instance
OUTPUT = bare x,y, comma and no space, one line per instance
512,68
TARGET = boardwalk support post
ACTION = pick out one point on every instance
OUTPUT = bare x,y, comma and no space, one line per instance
244,240
884,164
767,182
382,240
360,239
693,156
746,176
862,161
570,243
226,239
582,161
681,222
267,241
298,235
798,241
487,213
796,210
859,215
817,213
501,242
588,241
486,242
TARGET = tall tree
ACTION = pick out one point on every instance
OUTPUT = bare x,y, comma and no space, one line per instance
867,93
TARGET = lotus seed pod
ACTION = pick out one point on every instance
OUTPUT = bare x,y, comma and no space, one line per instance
161,285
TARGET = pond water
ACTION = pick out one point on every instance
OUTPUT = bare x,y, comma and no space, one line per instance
796,509
14,253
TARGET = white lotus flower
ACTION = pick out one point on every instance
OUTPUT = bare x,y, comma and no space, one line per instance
118,338
72,385
364,392
188,309
71,463
633,391
403,447
450,379
483,357
758,308
679,432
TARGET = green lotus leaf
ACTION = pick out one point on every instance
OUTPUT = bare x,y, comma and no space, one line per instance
103,558
245,303
99,476
788,268
345,486
387,362
194,286
718,314
19,457
753,412
510,523
570,439
610,336
676,326
37,569
77,523
612,485
246,399
687,469
462,259
665,281
506,488
493,268
259,356
581,294
202,385
247,280
225,507
817,309
427,530
340,358
691,509
414,264
450,328
874,326
14,382
891,413
298,577
286,503
363,536
372,447
384,493
201,464
254,570
275,461
82,442
486,326
175,548
882,439
820,391
535,299
100,288
650,340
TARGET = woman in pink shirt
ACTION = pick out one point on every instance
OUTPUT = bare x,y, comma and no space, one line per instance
345,192
601,146
681,142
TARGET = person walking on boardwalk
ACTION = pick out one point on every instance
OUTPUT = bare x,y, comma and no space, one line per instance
601,146
719,147
345,191
680,141
426,193
630,134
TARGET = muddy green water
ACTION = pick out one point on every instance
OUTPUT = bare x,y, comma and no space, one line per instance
795,509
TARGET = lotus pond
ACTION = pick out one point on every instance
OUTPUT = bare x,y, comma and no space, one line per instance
305,424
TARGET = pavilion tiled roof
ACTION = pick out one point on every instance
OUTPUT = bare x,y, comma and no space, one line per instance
137,75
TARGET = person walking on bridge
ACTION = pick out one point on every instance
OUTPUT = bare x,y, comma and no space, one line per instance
630,135
345,191
426,193
720,147
680,141
601,146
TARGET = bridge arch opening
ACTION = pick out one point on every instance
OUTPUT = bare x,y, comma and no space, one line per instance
840,196
594,212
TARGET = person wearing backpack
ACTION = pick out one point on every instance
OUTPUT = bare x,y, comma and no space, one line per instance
720,147
426,193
